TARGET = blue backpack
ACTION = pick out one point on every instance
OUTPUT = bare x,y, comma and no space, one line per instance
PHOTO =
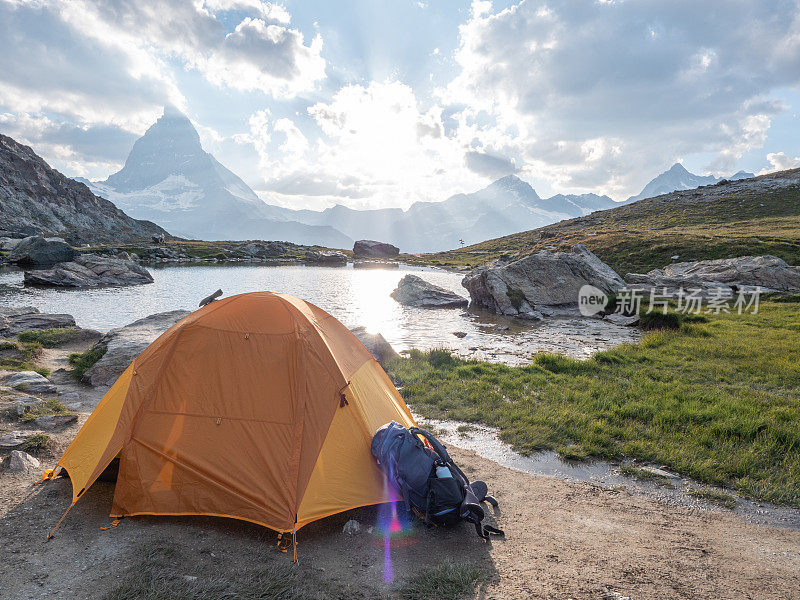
431,484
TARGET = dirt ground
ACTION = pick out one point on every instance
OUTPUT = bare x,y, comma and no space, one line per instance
563,540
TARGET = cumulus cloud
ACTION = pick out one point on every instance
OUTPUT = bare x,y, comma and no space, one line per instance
374,146
779,161
641,83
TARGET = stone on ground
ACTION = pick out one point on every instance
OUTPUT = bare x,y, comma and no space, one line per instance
20,461
123,344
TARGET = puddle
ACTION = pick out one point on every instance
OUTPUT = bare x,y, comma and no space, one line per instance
484,441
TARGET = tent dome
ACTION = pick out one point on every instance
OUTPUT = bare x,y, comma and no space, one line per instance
259,407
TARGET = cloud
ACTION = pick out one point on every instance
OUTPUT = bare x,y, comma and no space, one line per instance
641,83
262,52
489,165
779,161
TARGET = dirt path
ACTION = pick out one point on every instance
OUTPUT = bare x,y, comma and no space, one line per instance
563,540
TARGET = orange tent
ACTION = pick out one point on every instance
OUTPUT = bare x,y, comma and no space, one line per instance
258,407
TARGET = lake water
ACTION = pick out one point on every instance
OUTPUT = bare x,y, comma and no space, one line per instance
354,296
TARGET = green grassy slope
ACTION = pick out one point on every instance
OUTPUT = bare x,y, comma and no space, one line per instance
718,401
720,221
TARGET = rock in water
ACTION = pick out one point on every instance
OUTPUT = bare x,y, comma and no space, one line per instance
539,284
37,251
326,258
373,249
123,344
19,461
415,291
376,344
769,272
14,321
90,271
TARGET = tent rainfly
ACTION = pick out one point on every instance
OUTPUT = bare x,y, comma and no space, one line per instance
258,407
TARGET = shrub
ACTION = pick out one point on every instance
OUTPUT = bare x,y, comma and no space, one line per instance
50,406
50,338
441,357
83,361
38,442
516,297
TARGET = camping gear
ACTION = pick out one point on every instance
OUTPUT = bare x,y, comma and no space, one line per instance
431,484
258,407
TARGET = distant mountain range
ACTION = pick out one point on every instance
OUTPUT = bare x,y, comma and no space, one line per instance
677,178
168,178
37,199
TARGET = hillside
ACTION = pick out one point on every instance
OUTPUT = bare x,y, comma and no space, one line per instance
755,216
36,198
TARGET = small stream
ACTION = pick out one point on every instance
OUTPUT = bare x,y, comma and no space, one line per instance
485,442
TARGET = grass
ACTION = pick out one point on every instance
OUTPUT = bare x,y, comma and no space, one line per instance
20,356
645,235
83,361
49,406
50,338
37,443
717,401
717,496
447,581
644,475
158,575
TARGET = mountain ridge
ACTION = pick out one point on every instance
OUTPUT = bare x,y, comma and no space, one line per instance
34,197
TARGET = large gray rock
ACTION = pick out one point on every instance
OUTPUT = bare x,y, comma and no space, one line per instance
326,257
14,321
19,461
376,344
373,249
540,284
55,421
262,250
90,271
37,251
123,344
13,439
727,275
31,381
416,292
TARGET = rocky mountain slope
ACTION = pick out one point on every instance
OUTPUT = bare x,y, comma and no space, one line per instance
35,198
170,179
678,178
748,217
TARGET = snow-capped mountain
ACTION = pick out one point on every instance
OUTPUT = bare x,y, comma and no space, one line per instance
506,206
678,178
168,178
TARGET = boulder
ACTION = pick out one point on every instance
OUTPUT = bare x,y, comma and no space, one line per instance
622,320
90,271
329,258
262,250
414,291
376,344
14,321
373,249
727,275
37,251
12,439
54,421
26,404
123,344
19,461
31,381
539,284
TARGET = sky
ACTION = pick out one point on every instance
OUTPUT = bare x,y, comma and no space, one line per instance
381,103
